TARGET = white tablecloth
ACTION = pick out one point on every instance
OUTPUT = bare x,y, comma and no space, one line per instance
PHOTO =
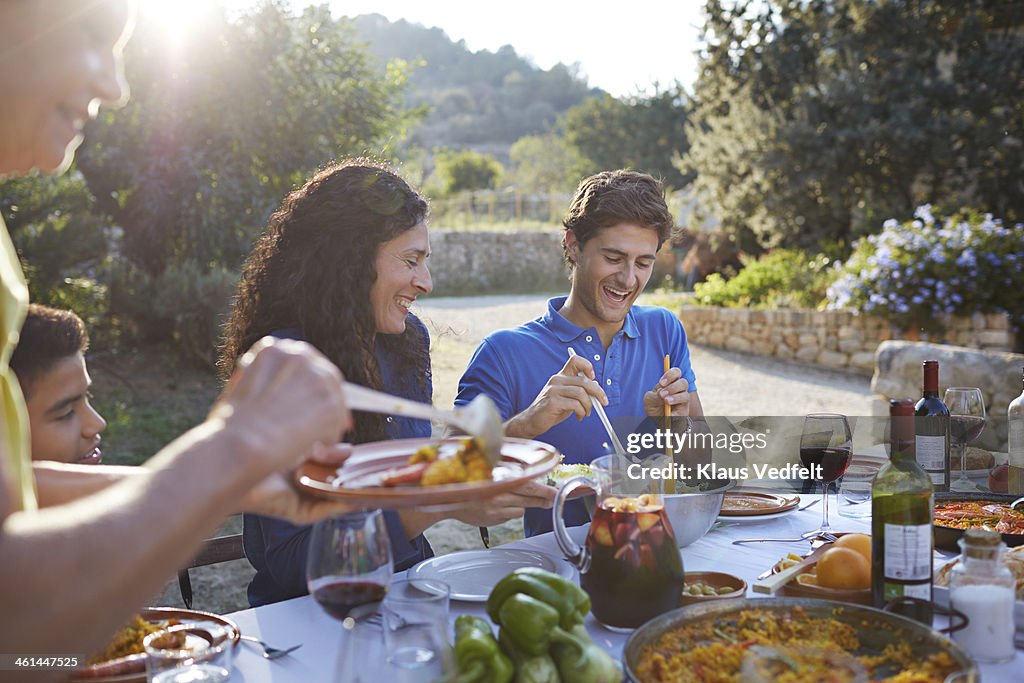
319,659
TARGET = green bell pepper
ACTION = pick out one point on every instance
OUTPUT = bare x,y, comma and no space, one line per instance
581,660
532,626
529,668
571,601
477,655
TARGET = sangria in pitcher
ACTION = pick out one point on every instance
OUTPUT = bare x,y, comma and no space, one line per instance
629,565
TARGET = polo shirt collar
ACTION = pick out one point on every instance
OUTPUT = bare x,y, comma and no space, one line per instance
567,332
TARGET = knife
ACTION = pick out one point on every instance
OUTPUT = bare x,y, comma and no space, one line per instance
774,582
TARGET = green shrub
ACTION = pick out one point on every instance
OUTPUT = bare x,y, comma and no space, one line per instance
186,304
782,278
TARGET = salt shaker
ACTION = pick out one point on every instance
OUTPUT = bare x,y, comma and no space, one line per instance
983,588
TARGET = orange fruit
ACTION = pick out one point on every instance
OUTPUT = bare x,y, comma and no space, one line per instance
859,542
844,568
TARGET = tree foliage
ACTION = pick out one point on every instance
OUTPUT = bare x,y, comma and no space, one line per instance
208,145
545,163
462,170
819,119
62,239
645,133
175,186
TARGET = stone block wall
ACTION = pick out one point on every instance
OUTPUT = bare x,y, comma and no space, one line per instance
463,263
996,373
836,339
495,262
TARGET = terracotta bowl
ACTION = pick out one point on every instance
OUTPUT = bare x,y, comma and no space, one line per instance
715,580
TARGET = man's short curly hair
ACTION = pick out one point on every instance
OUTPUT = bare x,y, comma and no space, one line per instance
612,197
48,336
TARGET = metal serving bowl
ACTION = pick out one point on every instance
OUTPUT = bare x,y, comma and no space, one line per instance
692,514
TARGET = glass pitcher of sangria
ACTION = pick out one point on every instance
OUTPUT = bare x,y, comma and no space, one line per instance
629,564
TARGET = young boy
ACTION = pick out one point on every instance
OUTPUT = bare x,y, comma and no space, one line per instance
50,364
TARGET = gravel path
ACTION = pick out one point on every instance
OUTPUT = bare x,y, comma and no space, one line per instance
730,384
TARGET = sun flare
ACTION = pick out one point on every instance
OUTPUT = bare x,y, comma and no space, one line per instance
177,17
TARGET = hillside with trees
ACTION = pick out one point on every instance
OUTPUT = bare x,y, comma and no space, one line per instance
471,98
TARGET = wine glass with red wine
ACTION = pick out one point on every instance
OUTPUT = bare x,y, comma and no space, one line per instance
826,447
349,564
966,422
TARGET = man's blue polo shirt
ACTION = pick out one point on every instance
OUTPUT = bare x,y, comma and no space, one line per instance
512,366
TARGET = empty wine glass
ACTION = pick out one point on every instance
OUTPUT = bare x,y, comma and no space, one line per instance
826,447
966,422
349,569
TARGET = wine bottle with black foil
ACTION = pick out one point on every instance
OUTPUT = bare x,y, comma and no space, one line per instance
931,429
1015,446
901,522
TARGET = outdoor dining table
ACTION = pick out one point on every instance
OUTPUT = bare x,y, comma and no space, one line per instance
301,620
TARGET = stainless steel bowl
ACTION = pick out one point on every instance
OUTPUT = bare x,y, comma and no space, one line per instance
692,514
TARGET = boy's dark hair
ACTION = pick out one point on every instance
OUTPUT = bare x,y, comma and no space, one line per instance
612,197
48,336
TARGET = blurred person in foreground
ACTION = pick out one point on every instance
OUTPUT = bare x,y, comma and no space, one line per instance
49,362
616,223
339,266
85,546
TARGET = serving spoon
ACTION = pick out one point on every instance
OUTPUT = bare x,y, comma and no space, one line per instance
480,418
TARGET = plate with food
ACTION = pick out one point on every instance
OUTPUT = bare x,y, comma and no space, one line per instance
471,574
813,639
123,660
412,472
755,506
1012,558
960,512
840,571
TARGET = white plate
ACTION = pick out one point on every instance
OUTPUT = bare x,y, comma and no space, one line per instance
471,574
941,596
754,519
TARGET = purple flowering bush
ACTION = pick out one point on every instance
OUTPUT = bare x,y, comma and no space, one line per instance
915,273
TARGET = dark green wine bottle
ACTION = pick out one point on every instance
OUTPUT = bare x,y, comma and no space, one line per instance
901,522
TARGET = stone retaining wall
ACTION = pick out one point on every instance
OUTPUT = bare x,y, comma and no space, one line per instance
507,262
496,262
836,339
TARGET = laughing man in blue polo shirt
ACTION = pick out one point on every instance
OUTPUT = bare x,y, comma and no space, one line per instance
616,223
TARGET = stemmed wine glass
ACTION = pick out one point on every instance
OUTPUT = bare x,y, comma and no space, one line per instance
966,422
826,446
349,568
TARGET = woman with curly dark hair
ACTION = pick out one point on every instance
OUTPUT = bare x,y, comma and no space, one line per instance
339,266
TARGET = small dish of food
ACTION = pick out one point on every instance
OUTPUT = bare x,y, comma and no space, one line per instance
704,586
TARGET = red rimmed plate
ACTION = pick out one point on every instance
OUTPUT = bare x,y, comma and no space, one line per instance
755,504
132,669
358,480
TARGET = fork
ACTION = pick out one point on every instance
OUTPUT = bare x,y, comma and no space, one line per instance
271,652
824,536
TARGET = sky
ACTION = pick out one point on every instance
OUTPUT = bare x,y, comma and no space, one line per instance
621,48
